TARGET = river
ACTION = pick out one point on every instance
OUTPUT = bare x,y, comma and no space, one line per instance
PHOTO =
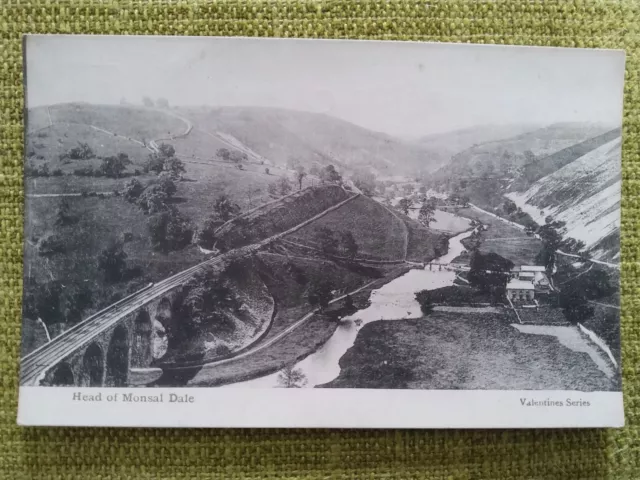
393,301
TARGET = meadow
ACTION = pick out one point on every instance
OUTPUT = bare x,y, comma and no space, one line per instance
504,239
470,351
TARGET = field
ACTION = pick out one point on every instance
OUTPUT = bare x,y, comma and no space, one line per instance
464,351
506,240
378,233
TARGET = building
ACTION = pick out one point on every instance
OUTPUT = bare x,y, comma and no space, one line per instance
520,290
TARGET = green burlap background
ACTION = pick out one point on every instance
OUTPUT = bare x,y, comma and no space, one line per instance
318,454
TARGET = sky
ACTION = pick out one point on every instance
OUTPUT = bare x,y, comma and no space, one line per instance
406,89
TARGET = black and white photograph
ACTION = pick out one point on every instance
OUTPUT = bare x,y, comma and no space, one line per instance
257,214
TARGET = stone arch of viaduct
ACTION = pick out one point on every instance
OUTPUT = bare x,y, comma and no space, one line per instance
111,356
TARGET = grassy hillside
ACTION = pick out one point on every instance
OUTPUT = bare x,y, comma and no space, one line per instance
551,163
449,144
135,122
283,136
280,216
504,155
379,234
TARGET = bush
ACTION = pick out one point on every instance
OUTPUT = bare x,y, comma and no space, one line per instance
114,166
84,171
57,173
169,230
206,234
82,152
42,171
112,262
132,190
153,200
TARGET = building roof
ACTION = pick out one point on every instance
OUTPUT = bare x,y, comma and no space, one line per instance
519,285
531,268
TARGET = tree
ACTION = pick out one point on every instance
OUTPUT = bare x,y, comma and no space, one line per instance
114,166
464,200
314,170
529,157
202,302
173,166
551,240
349,245
43,301
424,298
319,293
154,164
348,303
162,103
272,188
224,154
575,306
63,215
206,234
77,302
266,170
290,377
593,284
236,156
300,174
408,189
132,190
489,272
547,258
330,174
169,230
427,213
164,160
365,182
509,207
473,242
284,186
404,205
153,199
166,184
166,150
82,152
225,208
327,240
147,102
112,261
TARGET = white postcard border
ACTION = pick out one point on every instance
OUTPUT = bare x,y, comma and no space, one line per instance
322,408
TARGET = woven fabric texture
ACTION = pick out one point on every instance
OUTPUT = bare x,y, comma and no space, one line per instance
316,454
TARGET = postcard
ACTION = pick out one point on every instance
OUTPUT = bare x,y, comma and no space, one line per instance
244,232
